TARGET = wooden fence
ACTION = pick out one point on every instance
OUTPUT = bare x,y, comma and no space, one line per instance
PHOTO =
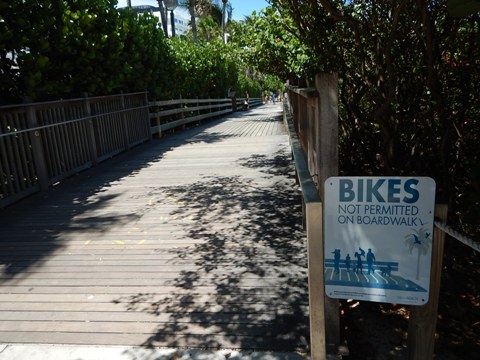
43,143
170,114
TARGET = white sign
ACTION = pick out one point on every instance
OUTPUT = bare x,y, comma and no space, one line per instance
378,238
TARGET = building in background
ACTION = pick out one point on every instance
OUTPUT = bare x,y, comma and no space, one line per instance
181,18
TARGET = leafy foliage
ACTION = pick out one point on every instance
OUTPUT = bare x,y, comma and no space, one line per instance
204,70
57,49
270,47
409,80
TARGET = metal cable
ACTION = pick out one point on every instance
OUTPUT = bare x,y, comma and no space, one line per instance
456,235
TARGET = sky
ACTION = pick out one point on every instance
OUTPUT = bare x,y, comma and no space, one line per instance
241,8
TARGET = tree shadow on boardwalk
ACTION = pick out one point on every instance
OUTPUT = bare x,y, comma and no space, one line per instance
36,227
247,287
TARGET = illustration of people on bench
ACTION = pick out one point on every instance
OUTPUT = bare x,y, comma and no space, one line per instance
383,268
365,270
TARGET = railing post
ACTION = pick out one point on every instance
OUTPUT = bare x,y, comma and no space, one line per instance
40,162
92,143
327,139
316,283
423,319
327,157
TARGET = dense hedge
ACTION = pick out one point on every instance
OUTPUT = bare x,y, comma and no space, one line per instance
61,49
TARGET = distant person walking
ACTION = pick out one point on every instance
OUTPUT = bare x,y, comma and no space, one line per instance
246,101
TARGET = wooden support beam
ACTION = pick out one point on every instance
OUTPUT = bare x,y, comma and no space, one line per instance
316,282
423,319
327,165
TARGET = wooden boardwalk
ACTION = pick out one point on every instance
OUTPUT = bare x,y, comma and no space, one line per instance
192,240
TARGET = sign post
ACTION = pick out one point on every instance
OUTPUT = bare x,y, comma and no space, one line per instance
378,238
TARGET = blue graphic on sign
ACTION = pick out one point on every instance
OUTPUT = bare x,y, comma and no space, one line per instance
378,274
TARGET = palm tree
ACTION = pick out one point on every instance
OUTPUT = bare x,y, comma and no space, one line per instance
208,28
420,240
213,17
224,9
196,8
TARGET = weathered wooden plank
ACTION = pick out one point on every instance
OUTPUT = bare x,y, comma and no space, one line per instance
93,289
111,272
263,300
156,340
9,310
139,253
259,320
163,279
133,327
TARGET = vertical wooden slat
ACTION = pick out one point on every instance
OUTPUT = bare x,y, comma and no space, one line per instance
6,167
14,156
51,142
58,141
28,150
118,123
423,319
124,122
146,115
83,135
77,154
100,126
65,138
73,143
12,163
97,128
22,147
79,137
90,131
37,150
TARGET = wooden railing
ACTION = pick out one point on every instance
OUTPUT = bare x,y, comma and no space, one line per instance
43,143
170,114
